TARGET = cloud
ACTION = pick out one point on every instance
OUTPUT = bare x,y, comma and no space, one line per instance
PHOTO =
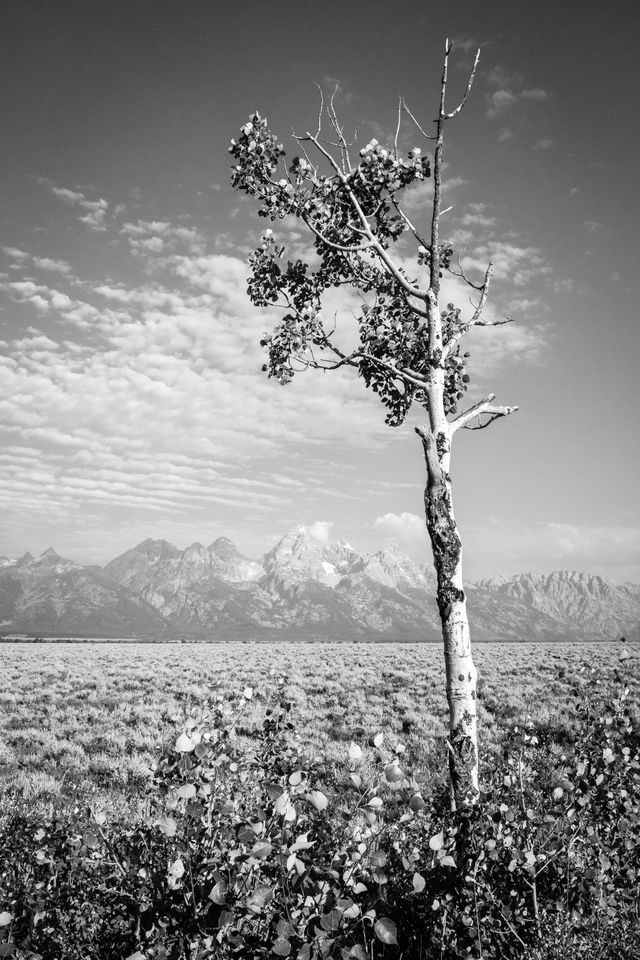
401,526
540,96
592,226
544,143
149,396
608,551
520,265
95,217
524,306
159,236
320,530
499,102
508,94
477,220
145,397
22,258
419,195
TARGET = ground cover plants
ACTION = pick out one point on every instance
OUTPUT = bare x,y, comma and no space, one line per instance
252,837
85,722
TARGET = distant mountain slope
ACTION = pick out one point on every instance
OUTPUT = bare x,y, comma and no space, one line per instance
572,604
199,588
53,596
303,587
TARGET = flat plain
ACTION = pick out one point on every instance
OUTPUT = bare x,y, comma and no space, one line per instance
84,722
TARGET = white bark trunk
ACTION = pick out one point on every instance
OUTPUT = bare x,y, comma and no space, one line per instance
461,674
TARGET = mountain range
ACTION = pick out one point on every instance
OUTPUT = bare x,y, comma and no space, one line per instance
304,588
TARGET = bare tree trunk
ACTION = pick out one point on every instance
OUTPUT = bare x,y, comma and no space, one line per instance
461,674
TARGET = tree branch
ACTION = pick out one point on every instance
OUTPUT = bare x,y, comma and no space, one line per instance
484,291
336,246
476,320
342,143
495,414
408,222
462,275
395,140
368,232
423,132
450,116
483,406
434,262
409,375
321,110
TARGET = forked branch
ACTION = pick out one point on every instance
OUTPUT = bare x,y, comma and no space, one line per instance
479,409
449,116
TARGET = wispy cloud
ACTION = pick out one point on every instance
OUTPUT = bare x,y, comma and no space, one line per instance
21,258
145,397
149,396
507,95
537,94
156,237
499,102
96,210
608,551
404,527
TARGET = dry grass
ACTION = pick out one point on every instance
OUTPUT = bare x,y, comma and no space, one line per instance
84,722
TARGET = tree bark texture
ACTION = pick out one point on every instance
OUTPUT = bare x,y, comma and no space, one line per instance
461,674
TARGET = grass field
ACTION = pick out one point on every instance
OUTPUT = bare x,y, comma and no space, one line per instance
85,722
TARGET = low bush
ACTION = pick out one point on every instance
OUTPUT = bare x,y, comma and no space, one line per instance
272,852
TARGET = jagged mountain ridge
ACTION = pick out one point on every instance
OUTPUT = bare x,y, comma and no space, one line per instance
49,595
303,586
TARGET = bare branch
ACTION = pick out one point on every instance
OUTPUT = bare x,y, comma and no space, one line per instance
463,276
423,132
321,110
408,222
473,410
342,143
395,140
484,292
306,154
493,323
450,116
483,406
476,320
494,414
434,262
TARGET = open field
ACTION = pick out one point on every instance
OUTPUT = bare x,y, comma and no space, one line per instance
86,722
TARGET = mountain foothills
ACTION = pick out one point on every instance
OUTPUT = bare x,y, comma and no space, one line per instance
303,587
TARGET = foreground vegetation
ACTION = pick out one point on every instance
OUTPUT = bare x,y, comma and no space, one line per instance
85,723
247,827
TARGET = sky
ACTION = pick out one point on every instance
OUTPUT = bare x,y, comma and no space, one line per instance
132,402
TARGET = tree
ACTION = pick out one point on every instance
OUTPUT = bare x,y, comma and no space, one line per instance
408,347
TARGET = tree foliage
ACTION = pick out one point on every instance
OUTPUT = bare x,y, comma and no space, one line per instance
354,216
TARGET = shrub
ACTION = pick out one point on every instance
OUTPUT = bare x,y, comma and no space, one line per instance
268,851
